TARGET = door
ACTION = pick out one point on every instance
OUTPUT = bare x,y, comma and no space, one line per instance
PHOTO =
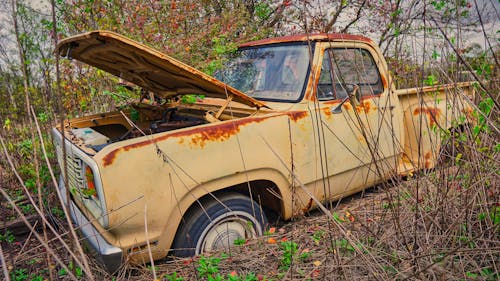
356,145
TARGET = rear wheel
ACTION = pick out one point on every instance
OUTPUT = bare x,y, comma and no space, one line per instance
218,224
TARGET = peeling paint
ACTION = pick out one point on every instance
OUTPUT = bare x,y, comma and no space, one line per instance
384,81
199,135
297,115
216,133
110,157
347,106
312,95
309,37
469,113
308,206
428,162
432,113
365,106
332,102
327,112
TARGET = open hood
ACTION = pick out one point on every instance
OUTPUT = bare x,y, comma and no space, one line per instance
146,67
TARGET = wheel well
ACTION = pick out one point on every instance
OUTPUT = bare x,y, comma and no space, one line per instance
457,129
454,130
264,192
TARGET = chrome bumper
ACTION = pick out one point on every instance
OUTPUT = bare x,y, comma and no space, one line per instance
107,254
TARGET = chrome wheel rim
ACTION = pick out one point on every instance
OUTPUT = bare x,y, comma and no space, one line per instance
224,230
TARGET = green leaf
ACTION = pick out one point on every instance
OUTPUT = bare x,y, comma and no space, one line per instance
263,10
239,241
470,274
435,55
495,215
431,80
481,216
337,218
134,115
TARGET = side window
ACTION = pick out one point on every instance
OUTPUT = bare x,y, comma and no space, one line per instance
343,66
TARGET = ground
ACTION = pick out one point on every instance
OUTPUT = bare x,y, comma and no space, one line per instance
419,228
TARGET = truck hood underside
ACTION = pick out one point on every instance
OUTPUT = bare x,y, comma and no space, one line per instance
146,67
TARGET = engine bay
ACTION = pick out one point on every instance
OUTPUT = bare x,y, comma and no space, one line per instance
93,133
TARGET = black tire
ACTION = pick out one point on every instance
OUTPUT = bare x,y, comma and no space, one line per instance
217,225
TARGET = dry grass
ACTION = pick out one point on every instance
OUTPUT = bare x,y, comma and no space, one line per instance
444,239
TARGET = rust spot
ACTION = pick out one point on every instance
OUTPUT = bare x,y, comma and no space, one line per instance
326,111
428,155
332,102
365,106
469,113
110,157
308,206
432,113
384,81
198,135
428,162
312,95
297,115
406,158
215,133
467,110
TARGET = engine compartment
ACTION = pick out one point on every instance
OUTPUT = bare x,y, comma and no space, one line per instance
93,133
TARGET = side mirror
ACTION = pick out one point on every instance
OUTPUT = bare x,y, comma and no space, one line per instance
354,96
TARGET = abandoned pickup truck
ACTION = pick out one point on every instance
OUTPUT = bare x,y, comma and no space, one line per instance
287,120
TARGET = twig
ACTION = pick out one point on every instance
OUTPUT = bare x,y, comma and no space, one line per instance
147,241
40,239
21,182
4,265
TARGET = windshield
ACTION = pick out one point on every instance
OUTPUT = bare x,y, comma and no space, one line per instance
276,73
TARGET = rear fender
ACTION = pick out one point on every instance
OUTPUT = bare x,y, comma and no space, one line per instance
424,125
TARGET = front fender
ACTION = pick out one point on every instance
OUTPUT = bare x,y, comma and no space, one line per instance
174,220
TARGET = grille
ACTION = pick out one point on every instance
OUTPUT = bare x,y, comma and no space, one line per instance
75,171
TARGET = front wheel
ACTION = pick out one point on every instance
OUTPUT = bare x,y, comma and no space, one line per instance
218,223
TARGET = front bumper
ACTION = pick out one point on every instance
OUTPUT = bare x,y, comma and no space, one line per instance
110,256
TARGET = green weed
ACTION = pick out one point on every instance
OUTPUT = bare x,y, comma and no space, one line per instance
173,277
288,248
19,275
7,237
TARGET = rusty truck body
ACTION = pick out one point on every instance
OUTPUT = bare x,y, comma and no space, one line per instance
287,119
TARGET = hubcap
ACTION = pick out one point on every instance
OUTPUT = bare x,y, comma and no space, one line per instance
223,231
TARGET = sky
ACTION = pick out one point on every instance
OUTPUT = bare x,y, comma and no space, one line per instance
492,24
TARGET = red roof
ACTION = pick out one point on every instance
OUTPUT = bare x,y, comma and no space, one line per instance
308,37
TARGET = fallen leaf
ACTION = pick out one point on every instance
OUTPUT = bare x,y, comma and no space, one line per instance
349,216
271,241
316,263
